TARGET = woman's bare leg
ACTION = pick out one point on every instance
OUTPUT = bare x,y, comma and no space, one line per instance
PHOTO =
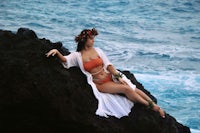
133,95
142,94
116,88
155,106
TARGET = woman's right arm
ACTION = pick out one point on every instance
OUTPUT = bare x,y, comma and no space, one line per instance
57,53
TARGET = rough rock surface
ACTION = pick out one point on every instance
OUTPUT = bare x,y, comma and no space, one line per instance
37,95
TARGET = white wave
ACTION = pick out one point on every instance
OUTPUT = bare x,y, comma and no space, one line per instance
194,131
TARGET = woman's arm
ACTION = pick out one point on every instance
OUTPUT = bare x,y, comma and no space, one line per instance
57,53
112,70
117,75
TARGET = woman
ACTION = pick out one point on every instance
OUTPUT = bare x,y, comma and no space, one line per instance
105,80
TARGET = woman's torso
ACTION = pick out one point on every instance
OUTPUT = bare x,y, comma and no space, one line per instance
94,64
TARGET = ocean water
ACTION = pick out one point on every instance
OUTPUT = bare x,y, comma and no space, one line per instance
158,41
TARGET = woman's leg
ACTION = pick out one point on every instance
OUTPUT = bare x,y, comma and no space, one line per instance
142,94
133,95
116,88
155,106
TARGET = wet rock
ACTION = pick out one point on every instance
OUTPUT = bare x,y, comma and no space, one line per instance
38,95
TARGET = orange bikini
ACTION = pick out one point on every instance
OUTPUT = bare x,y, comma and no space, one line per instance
104,80
88,66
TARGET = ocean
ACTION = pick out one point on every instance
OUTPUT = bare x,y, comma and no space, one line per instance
158,41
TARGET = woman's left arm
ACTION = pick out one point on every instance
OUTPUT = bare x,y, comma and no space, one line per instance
112,70
106,62
110,67
116,74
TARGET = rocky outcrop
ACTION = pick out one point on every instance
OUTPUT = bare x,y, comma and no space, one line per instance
37,95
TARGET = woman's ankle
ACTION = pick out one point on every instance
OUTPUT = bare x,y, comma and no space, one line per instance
150,104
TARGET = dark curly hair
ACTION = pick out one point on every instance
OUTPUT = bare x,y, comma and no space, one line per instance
83,36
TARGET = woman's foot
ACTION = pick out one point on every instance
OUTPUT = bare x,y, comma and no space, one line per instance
158,109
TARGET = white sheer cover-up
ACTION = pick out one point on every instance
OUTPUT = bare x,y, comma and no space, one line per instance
108,104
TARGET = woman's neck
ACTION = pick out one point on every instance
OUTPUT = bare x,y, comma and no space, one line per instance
88,48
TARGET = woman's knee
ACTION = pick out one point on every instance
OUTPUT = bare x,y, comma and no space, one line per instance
128,90
137,90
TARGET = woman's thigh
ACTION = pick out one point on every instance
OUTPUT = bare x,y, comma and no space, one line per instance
112,87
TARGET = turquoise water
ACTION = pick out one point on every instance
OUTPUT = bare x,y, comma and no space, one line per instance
158,41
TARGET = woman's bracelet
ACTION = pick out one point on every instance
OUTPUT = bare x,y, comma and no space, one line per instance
117,76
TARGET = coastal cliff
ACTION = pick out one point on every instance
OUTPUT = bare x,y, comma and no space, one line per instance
38,95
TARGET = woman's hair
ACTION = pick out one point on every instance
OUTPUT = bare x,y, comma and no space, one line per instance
83,36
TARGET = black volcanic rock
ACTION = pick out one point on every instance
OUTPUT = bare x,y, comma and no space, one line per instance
37,95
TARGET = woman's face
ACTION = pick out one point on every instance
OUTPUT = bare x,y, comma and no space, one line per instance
90,41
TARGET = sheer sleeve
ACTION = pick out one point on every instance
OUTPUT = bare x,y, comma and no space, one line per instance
71,60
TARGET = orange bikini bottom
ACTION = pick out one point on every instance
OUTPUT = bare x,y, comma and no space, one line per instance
104,80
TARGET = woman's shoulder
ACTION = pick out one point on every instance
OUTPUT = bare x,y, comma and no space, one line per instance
73,54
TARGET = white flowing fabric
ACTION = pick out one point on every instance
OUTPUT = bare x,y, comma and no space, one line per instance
108,104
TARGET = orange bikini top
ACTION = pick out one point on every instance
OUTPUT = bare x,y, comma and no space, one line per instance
88,66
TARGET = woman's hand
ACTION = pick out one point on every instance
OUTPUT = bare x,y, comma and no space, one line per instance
56,52
52,52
